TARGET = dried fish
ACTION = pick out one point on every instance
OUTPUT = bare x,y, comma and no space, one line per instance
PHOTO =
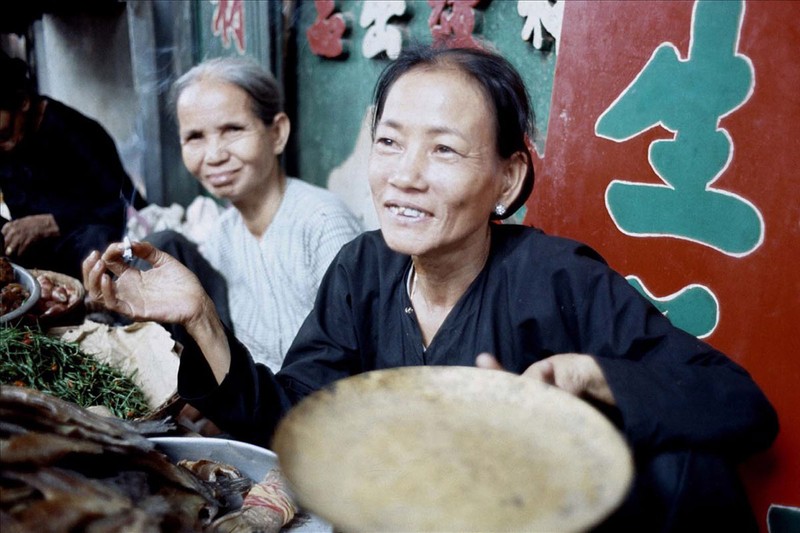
69,496
64,468
230,486
36,411
91,472
211,470
40,449
266,508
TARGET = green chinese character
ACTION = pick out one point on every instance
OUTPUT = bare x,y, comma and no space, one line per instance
687,97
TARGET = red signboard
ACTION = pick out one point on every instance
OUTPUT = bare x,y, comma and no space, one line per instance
673,147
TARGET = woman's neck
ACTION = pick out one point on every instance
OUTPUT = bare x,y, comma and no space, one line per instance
259,212
441,281
436,285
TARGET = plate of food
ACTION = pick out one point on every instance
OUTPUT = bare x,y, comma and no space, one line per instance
19,291
60,294
253,461
258,464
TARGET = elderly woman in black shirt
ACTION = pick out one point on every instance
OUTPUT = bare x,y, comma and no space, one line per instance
441,284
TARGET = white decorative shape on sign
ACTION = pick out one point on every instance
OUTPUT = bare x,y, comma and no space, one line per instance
381,36
541,15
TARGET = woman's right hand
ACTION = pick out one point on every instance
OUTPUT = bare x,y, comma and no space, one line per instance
21,233
168,292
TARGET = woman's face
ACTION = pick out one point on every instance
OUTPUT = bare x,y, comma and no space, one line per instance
434,170
224,144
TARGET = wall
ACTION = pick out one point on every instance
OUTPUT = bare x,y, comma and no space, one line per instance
705,223
69,52
107,60
333,94
679,164
84,61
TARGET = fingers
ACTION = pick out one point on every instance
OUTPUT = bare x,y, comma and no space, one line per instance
116,261
19,235
10,238
487,361
96,279
148,252
109,296
543,371
92,270
113,260
578,374
87,265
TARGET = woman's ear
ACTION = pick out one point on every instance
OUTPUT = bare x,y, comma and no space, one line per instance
281,126
515,170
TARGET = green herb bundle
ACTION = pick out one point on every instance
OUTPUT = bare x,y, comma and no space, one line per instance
30,358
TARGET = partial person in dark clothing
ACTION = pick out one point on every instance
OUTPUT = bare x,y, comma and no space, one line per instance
61,178
441,284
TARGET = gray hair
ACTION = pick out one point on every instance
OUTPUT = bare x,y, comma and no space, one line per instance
245,73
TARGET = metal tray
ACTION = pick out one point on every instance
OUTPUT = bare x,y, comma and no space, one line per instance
253,461
27,280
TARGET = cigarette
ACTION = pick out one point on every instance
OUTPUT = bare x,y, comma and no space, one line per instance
127,254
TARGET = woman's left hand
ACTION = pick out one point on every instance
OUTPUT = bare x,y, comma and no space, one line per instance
575,373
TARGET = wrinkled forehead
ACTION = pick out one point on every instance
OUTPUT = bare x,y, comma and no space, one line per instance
450,73
449,77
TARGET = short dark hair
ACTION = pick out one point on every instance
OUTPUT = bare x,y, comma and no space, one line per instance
500,82
16,84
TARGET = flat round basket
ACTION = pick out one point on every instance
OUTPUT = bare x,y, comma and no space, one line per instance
452,449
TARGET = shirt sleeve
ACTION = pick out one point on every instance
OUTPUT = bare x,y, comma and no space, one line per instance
248,403
672,389
251,400
332,230
328,346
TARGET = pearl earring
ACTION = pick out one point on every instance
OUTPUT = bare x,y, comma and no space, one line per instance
499,210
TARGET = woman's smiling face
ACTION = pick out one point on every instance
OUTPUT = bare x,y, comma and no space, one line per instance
434,169
223,143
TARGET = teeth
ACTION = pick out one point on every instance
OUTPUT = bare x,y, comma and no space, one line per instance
406,211
219,180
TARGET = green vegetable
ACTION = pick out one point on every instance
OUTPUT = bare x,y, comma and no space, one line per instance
30,358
